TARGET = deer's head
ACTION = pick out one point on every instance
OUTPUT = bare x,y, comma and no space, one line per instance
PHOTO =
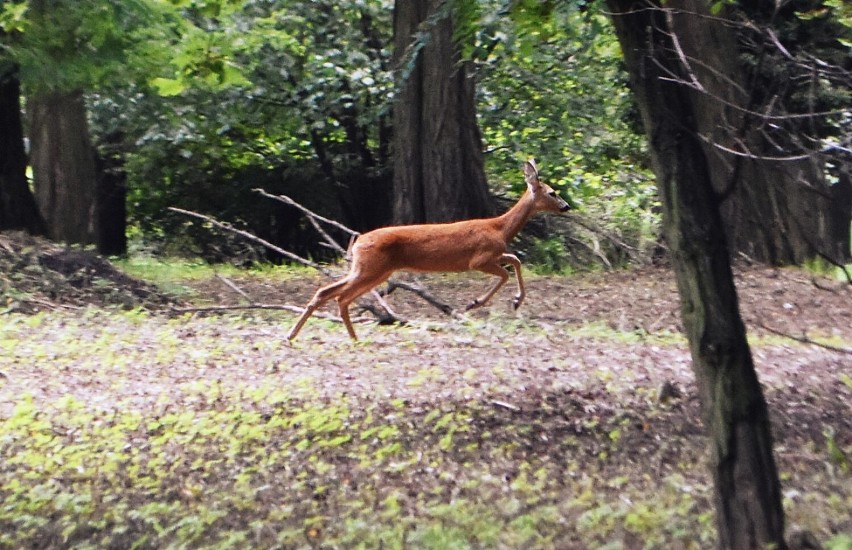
545,198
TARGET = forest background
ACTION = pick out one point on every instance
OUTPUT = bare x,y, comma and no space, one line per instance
137,106
194,104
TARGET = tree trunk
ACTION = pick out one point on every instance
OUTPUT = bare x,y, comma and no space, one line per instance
747,490
17,205
841,204
64,167
438,162
111,205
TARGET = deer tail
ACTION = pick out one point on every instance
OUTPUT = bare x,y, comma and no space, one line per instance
351,244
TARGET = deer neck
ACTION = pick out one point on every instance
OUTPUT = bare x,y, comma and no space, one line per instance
516,217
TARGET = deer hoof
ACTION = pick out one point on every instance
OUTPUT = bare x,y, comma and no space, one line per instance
473,304
516,303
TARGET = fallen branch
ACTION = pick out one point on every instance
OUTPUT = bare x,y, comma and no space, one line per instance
631,251
276,307
287,200
384,313
806,340
419,291
315,218
228,227
387,317
230,284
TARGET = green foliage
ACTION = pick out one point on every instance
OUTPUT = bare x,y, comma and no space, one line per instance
64,45
552,86
839,542
548,256
204,100
288,96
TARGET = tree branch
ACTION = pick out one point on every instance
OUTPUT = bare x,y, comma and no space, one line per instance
806,340
287,200
228,227
419,291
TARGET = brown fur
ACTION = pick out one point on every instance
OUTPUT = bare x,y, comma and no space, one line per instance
479,245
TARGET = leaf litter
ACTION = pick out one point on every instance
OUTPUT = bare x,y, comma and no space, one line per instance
573,423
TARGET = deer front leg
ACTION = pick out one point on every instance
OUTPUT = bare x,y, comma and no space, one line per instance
513,260
492,269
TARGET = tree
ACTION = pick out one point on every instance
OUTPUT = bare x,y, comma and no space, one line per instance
748,496
438,164
17,205
789,141
63,166
65,49
62,157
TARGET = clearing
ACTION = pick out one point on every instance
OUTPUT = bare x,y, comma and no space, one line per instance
573,423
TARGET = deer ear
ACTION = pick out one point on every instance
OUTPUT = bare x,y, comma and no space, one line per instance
531,174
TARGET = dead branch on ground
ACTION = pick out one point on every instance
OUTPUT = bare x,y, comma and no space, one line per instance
394,284
386,318
805,340
228,227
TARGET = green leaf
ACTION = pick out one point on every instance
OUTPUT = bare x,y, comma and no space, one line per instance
12,17
168,86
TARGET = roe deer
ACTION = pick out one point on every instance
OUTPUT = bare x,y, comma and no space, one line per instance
459,246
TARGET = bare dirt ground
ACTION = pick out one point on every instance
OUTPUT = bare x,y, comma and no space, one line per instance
588,386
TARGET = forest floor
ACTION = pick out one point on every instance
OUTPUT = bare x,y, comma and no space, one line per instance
571,423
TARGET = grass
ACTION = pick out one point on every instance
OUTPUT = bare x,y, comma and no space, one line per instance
821,267
175,275
170,271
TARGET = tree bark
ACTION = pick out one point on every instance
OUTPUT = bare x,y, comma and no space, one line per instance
18,208
63,164
111,204
438,162
747,491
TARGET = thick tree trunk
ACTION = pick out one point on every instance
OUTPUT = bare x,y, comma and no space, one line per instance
17,205
438,163
748,496
64,167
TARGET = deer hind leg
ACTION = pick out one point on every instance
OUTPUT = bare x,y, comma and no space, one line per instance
513,260
322,296
354,289
493,268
